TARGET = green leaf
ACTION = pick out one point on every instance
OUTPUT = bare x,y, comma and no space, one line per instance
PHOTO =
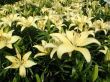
107,56
95,73
26,79
42,77
38,78
73,71
14,79
80,65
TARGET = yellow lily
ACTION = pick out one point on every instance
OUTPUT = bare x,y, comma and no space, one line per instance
106,51
57,20
6,39
41,23
21,63
100,25
43,50
27,22
81,21
9,19
72,41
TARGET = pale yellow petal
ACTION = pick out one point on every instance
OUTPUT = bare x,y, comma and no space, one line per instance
13,65
11,58
40,48
87,41
85,34
26,56
53,52
22,71
29,63
22,28
50,45
40,54
105,50
2,44
85,52
18,54
10,32
64,48
61,37
9,46
69,35
14,39
44,42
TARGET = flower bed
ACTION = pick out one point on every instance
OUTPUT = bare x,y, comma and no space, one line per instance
55,40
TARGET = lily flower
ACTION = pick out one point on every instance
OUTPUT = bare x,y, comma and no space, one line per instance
27,22
43,50
54,45
58,22
100,25
106,51
9,19
72,41
21,63
6,39
41,23
81,21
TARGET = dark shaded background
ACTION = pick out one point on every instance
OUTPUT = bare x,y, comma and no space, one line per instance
3,2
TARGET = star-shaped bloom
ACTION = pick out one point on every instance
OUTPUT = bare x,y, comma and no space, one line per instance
27,22
100,25
43,50
81,21
9,19
7,39
72,41
20,62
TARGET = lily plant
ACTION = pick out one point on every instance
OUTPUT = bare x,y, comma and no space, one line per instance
42,49
27,22
72,41
20,62
7,39
9,19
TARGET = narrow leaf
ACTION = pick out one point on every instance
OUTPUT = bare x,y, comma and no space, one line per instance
95,73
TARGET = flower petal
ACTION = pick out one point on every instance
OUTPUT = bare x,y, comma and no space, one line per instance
22,71
44,42
29,63
105,50
26,56
40,48
2,44
69,35
39,54
85,34
9,46
10,32
11,58
64,48
18,54
61,37
87,41
50,45
85,52
13,65
14,39
53,52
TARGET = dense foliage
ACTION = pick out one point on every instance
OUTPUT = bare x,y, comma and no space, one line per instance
54,40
